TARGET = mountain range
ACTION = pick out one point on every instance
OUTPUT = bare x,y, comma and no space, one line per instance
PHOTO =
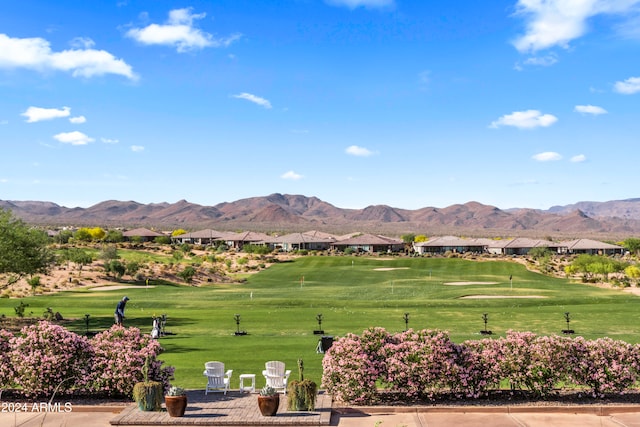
289,213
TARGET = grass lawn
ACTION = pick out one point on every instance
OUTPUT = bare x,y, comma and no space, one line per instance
278,309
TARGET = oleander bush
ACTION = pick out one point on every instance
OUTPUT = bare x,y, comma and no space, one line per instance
425,364
46,358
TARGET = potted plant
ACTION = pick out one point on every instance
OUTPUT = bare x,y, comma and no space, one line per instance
148,394
175,401
268,401
301,394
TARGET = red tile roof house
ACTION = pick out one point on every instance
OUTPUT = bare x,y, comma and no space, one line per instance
144,234
369,243
238,240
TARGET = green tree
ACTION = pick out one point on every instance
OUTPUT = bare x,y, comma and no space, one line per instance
632,244
114,236
63,237
162,240
116,268
82,235
187,274
80,258
24,249
108,253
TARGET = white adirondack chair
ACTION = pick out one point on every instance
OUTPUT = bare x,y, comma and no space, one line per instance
276,375
217,378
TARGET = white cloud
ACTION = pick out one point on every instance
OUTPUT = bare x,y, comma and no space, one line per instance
354,150
542,61
78,119
352,4
547,156
82,43
73,138
579,158
4,122
36,114
528,119
109,141
552,23
36,54
179,32
291,175
137,148
590,109
629,86
253,98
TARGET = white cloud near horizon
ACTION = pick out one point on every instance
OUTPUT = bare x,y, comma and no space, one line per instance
253,98
355,150
579,158
547,156
37,114
370,4
73,138
35,54
179,31
291,175
137,148
590,109
78,119
628,87
551,23
528,119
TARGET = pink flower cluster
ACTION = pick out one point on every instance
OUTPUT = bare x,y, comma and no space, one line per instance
424,363
45,358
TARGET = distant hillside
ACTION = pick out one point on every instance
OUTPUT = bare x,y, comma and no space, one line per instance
289,213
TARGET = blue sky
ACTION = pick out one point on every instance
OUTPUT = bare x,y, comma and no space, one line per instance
519,103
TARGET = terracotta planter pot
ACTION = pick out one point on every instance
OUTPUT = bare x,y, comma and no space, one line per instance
176,405
269,405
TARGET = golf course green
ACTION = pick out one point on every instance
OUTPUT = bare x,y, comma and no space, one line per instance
278,309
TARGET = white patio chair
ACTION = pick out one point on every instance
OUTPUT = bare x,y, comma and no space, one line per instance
276,375
217,378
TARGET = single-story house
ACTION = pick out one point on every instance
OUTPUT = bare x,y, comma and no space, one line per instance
144,234
297,241
450,243
520,246
592,247
238,240
201,237
369,243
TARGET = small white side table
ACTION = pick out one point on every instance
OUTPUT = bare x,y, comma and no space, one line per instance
250,388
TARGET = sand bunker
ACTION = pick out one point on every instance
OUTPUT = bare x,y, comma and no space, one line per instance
500,296
115,288
390,268
469,283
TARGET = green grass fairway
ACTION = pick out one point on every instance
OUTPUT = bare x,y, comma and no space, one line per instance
278,309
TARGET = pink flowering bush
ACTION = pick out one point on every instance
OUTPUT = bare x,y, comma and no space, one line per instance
604,365
47,358
533,362
6,368
424,363
418,363
477,370
353,365
119,355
